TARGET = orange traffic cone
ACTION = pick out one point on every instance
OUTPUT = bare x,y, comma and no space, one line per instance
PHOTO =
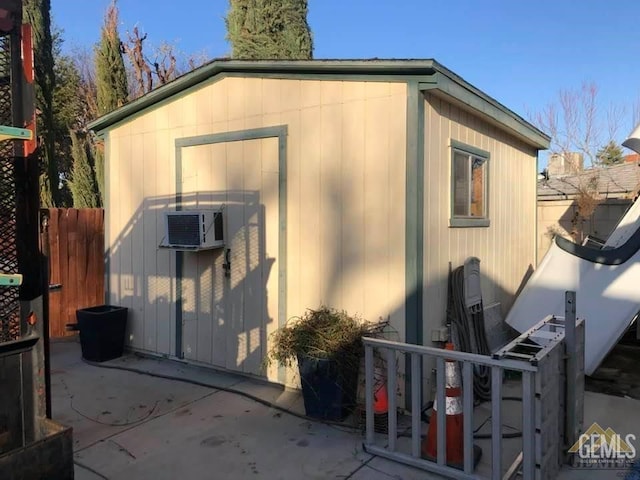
380,402
380,396
454,421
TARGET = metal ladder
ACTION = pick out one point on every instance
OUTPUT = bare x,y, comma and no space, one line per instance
539,347
534,344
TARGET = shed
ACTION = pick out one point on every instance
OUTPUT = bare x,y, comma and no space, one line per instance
348,183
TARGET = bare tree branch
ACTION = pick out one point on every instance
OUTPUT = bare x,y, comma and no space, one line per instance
134,50
88,92
164,63
635,114
615,117
576,124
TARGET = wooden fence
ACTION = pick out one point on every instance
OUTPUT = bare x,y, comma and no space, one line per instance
74,241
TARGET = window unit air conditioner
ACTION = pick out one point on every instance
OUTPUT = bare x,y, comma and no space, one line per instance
193,230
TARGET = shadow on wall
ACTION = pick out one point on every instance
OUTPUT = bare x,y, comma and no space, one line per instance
223,316
493,292
436,316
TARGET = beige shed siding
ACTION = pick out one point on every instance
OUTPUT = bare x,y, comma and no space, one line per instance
507,247
346,150
142,183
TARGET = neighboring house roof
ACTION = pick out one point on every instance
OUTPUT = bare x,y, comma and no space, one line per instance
427,75
617,181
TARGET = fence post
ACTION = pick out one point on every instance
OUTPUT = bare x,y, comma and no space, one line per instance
496,423
391,394
368,388
416,402
441,432
528,425
570,355
467,408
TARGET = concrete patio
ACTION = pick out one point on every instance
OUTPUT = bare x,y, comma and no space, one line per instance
132,426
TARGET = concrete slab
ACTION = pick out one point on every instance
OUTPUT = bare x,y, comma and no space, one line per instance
263,390
85,472
66,352
599,474
128,425
161,367
287,398
234,437
98,402
381,469
511,429
620,414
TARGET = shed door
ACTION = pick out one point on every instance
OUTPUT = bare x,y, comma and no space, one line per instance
228,312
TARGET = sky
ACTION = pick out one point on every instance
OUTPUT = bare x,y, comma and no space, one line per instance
520,52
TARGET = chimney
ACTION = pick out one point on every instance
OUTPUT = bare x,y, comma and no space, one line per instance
565,164
632,158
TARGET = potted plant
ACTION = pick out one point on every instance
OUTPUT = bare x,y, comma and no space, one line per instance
327,345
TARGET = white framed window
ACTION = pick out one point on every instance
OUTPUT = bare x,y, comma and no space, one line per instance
469,186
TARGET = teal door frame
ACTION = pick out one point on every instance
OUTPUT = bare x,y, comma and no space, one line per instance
279,132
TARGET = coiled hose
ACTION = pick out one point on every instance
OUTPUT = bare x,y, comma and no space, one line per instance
468,334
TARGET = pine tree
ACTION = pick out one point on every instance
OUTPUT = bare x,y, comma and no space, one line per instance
111,75
83,182
68,108
264,29
38,14
97,150
610,154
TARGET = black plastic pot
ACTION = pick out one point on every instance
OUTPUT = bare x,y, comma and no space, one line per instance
102,331
328,388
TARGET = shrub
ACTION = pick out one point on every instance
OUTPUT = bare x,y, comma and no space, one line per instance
325,333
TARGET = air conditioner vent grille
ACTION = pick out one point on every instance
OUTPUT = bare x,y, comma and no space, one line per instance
194,230
184,229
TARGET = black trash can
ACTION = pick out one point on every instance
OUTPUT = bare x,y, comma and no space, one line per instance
102,331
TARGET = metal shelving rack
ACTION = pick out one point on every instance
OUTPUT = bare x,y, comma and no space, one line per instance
32,446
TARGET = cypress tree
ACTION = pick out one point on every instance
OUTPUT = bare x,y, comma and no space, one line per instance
111,75
83,182
68,111
267,29
38,14
97,150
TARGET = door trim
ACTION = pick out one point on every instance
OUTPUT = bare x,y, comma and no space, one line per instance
280,132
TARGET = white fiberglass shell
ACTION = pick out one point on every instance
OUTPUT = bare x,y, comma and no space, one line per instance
607,291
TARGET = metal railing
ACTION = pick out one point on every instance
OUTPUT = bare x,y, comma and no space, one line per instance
550,359
467,361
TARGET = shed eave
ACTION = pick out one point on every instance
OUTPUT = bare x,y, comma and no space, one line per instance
329,68
430,74
447,83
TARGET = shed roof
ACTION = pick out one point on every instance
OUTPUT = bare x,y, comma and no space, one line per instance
429,74
616,181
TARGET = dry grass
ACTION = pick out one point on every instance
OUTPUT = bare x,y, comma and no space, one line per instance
324,333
